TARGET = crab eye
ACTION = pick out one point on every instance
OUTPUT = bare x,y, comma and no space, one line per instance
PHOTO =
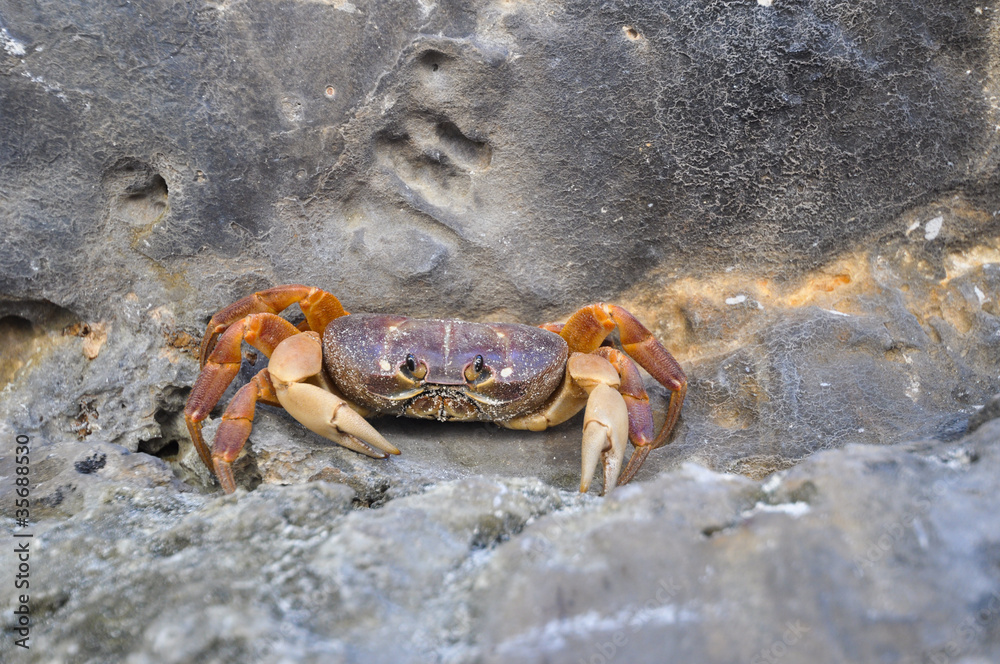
414,368
473,370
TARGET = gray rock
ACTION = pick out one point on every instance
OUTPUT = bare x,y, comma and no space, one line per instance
479,159
858,554
509,162
798,199
987,413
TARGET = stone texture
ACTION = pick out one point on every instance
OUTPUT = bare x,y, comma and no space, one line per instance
860,555
799,198
190,152
718,168
868,553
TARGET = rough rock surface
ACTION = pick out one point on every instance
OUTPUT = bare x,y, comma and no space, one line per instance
734,172
799,198
864,554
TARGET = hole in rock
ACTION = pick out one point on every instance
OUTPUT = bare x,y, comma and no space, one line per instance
138,194
169,450
28,329
169,414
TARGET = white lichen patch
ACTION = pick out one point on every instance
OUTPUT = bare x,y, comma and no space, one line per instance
933,227
11,45
556,633
341,5
51,88
795,509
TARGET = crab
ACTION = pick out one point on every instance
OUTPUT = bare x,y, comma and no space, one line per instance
334,370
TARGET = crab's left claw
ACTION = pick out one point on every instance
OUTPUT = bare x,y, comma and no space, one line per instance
587,330
605,436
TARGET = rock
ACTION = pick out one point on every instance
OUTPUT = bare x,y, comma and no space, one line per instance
987,413
859,554
798,199
853,555
400,165
67,477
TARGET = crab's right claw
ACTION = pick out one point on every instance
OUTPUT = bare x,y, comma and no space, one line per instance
297,360
605,436
328,415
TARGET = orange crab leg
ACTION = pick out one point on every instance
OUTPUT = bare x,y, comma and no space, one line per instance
264,332
234,430
640,414
318,306
585,332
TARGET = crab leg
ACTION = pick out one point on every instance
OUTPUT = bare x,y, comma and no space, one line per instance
585,332
640,414
296,362
318,306
262,331
234,430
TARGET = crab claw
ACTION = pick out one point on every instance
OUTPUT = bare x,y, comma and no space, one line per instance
605,435
298,359
330,416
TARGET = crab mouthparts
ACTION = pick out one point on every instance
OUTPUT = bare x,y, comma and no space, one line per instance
442,403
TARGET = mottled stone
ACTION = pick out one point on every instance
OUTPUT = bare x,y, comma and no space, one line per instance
717,167
858,554
192,152
799,199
